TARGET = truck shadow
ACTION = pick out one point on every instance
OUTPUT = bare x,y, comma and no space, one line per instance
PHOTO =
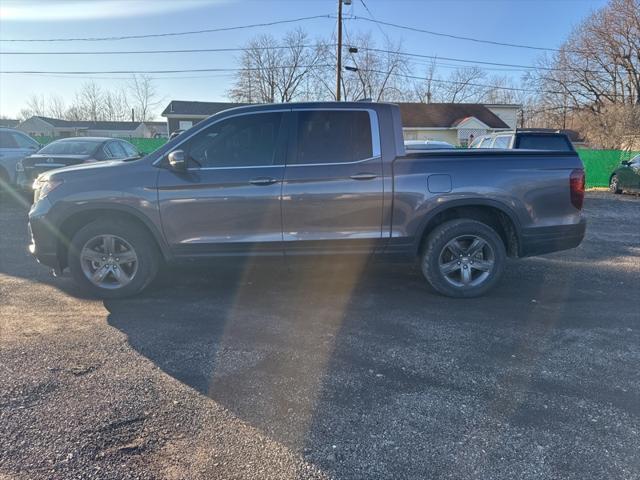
365,357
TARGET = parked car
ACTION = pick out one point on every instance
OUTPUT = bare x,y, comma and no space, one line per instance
14,146
626,176
412,145
526,140
72,151
306,179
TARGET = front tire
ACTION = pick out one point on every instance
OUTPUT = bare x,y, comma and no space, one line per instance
113,259
463,258
614,185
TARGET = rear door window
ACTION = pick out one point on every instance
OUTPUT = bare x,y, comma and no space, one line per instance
114,150
129,149
334,136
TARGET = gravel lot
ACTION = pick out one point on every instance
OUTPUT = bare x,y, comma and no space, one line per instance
321,370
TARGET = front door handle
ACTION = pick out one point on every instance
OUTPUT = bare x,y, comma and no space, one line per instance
364,176
263,181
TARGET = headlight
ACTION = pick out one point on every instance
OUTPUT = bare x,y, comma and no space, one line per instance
41,188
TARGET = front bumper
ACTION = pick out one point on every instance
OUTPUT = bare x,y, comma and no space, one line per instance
541,240
43,235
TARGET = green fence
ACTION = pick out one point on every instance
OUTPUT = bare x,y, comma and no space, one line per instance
147,145
599,164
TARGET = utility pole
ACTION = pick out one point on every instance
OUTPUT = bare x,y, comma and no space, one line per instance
339,52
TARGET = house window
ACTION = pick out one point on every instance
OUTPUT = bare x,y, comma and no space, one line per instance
185,124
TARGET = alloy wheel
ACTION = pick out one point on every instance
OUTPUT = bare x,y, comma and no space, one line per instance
466,261
109,261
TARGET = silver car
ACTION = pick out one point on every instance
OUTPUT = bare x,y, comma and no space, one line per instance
14,146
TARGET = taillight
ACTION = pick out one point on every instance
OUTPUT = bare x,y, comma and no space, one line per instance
576,184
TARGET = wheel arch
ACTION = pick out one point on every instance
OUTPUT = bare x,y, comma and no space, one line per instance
495,214
84,216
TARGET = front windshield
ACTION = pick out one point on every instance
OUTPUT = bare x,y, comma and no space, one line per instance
75,147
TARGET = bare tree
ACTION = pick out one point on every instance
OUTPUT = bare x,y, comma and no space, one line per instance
90,101
380,75
271,75
144,97
36,106
596,72
462,86
116,106
57,107
375,73
425,89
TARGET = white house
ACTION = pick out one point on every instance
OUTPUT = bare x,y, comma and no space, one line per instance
456,123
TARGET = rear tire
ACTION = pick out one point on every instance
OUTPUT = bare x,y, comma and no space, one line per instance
614,185
113,259
463,258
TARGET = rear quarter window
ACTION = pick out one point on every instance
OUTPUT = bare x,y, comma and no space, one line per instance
485,143
502,141
545,142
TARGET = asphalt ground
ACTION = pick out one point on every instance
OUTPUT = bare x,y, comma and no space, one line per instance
327,368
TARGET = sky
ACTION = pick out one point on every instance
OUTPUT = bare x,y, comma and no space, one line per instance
543,23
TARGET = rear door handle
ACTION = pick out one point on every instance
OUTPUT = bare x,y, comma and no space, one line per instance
364,176
263,181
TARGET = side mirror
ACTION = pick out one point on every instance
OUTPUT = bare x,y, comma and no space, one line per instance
624,162
177,160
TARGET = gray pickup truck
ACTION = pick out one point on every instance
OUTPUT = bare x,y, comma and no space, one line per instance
306,179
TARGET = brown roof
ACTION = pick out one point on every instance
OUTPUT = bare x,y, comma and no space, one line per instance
434,115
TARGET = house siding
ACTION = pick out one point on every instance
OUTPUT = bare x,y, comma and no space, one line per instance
507,113
450,136
36,127
174,122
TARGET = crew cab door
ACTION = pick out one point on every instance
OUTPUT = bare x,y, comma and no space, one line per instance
227,201
332,198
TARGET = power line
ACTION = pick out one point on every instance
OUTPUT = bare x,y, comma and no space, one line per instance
384,34
479,62
136,52
131,72
165,34
449,35
470,84
284,47
93,77
203,70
